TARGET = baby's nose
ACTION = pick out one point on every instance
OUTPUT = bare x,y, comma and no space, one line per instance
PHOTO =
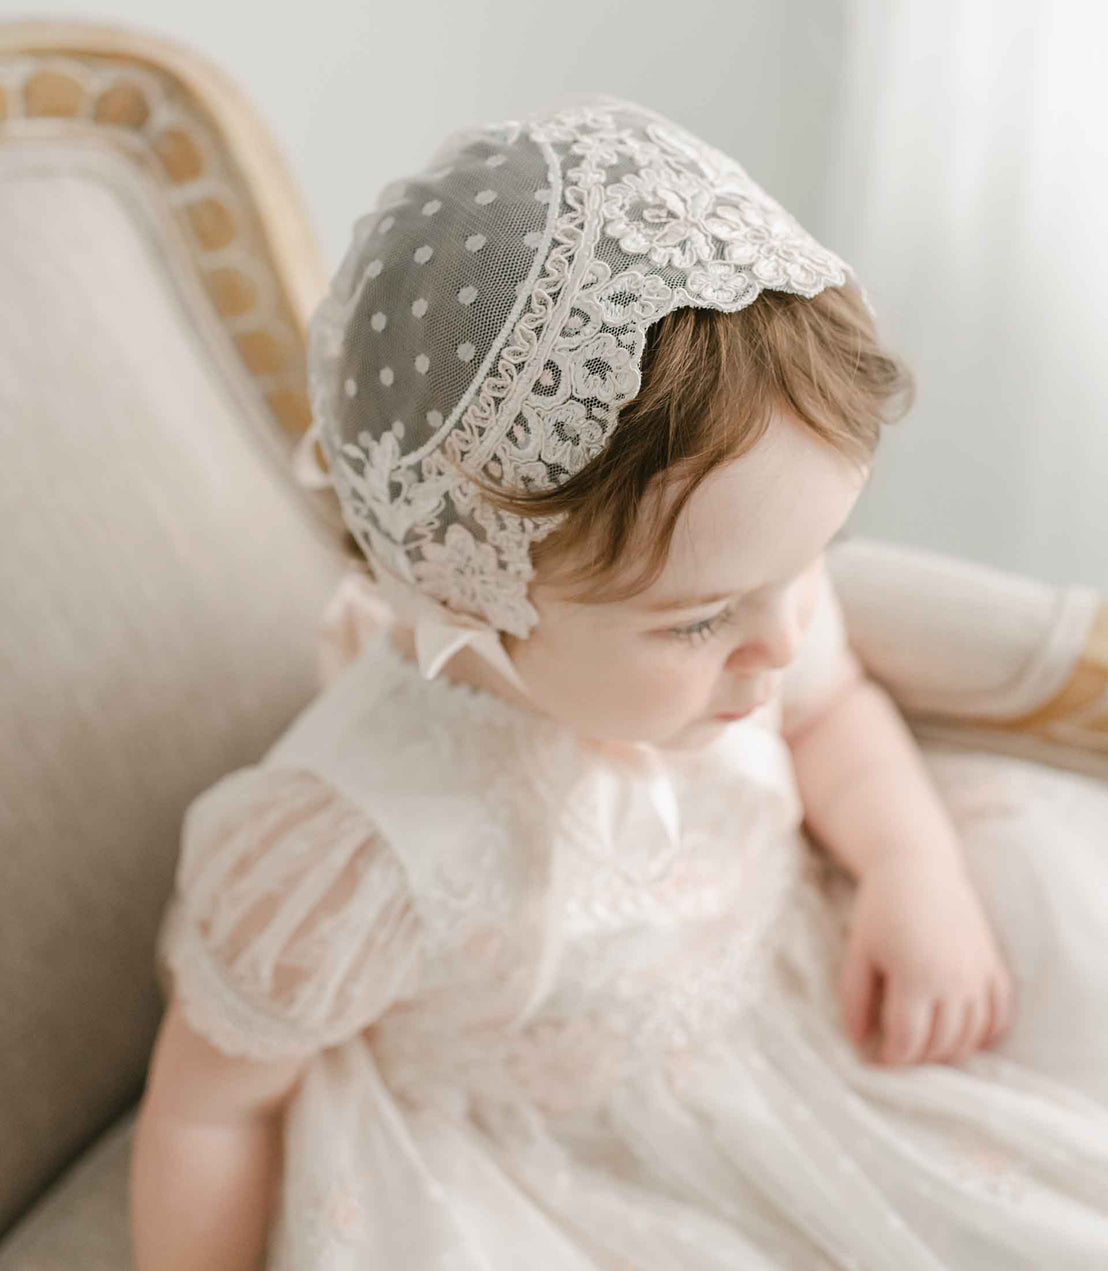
775,636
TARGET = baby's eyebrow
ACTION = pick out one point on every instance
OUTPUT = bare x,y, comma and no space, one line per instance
691,602
699,602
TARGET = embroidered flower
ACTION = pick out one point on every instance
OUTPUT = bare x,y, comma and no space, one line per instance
459,571
523,441
382,549
335,1218
569,438
396,498
602,369
582,322
660,214
633,296
551,386
346,1212
720,282
530,475
767,242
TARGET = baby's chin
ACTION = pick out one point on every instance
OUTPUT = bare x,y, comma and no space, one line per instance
703,732
695,736
690,737
699,735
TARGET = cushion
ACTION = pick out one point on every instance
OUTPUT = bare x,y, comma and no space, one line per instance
163,577
84,1219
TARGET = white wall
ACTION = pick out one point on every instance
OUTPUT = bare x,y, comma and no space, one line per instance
359,92
968,188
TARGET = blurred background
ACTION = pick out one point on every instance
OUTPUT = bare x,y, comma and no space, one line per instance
953,151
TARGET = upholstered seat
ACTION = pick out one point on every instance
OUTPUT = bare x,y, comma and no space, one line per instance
163,574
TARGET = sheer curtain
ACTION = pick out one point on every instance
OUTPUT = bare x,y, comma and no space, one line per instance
969,187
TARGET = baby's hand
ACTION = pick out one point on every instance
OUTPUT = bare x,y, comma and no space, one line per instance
920,926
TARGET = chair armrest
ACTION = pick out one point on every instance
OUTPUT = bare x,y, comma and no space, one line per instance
979,656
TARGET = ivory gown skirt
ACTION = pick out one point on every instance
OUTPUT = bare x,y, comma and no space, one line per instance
778,1147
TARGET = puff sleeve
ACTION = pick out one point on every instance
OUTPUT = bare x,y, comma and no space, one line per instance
290,928
823,664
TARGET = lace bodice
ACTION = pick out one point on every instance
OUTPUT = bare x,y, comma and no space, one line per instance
491,899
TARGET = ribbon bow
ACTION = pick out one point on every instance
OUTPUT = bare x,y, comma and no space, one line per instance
362,607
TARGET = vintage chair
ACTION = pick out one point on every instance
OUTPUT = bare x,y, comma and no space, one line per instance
162,575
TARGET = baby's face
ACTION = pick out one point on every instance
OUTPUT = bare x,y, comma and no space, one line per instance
709,640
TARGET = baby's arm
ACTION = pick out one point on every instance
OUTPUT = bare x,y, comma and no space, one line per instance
207,1154
920,943
291,930
863,783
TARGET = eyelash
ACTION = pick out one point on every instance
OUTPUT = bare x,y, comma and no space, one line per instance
703,631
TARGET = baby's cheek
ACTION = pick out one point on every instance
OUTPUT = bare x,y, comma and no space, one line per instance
670,682
632,692
811,599
809,596
628,683
615,683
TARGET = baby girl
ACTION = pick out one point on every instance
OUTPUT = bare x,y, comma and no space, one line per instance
600,912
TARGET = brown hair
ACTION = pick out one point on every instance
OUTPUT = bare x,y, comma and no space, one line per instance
710,383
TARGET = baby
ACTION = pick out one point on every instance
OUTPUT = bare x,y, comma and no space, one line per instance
512,950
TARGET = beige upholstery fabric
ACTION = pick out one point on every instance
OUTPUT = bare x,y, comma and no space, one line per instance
161,579
82,1225
954,637
972,654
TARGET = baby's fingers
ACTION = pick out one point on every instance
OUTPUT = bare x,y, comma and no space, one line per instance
969,1039
952,1017
1000,1001
858,993
905,1026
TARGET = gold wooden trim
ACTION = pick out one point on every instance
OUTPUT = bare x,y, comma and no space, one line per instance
1077,715
170,110
51,93
36,54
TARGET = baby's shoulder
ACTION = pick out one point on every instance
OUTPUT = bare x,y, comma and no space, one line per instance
280,884
259,826
381,703
395,742
463,788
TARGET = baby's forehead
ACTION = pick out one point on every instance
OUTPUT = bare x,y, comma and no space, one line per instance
756,520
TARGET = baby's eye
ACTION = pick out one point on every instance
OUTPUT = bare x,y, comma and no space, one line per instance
699,632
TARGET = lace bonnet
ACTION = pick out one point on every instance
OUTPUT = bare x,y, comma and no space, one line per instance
488,319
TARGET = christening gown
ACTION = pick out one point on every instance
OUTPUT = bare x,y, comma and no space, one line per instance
544,1032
